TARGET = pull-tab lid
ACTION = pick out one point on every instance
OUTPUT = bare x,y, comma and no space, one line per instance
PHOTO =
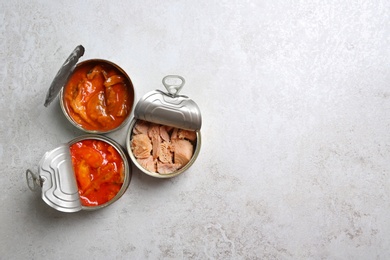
63,74
169,108
59,187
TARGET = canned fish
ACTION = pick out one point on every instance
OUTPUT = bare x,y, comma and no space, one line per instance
164,136
98,97
88,173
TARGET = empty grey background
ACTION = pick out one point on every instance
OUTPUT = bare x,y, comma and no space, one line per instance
295,99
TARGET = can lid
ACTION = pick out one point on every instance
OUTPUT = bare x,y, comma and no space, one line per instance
63,74
169,108
59,187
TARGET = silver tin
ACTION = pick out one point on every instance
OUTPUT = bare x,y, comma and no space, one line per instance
58,182
131,92
169,109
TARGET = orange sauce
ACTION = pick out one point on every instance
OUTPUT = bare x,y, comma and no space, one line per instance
99,171
98,96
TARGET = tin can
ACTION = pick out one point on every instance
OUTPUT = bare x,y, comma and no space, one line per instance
57,179
106,110
171,110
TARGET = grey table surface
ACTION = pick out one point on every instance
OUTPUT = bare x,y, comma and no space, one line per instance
295,99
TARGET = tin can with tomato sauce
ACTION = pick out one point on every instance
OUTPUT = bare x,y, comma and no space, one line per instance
164,137
98,96
88,173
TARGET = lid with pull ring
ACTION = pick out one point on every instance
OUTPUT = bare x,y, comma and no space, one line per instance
56,177
169,108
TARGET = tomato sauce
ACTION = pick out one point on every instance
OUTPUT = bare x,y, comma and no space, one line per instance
98,96
99,171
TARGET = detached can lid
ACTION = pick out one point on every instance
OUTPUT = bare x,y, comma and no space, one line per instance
59,187
169,108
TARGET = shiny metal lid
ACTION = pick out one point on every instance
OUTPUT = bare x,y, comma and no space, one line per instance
169,108
59,187
63,74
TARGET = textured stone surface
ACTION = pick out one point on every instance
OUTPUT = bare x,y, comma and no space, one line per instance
295,98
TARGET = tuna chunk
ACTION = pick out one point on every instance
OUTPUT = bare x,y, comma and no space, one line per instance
167,168
183,151
141,127
165,154
154,135
141,146
164,133
148,163
186,134
174,135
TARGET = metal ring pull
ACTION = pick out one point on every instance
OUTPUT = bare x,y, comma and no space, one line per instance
33,181
173,83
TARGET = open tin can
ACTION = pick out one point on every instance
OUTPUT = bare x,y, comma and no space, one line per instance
164,136
69,184
96,95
